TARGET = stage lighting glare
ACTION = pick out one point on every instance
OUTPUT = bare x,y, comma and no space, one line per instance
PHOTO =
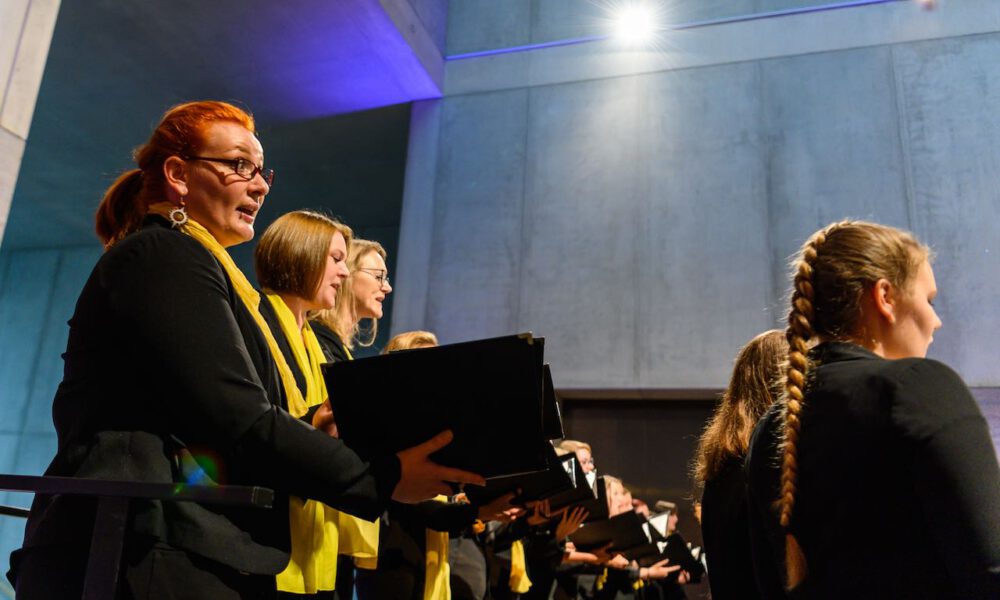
634,25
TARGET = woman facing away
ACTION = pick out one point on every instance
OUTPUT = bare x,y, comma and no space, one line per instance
171,373
881,463
719,464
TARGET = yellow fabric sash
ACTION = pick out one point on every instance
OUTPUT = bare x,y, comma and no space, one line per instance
313,525
437,584
519,582
358,538
306,350
250,298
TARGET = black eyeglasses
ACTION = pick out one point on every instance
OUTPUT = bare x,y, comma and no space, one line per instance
242,167
380,275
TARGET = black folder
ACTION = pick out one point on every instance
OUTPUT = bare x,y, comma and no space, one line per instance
623,531
530,487
597,507
581,491
552,424
487,392
675,548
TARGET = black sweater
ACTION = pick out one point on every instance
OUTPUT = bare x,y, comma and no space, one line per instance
898,484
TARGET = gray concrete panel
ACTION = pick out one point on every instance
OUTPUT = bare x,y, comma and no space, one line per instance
475,25
865,26
11,151
434,16
12,17
833,147
25,77
476,251
75,265
705,280
28,283
416,228
580,276
950,91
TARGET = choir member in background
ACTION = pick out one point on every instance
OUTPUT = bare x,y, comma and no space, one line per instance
339,330
719,465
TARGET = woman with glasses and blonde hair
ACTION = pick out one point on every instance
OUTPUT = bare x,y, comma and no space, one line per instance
172,376
361,299
338,329
882,465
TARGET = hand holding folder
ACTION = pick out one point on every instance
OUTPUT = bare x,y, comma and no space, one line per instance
420,478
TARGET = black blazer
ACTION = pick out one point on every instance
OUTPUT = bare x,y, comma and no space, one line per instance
898,484
163,361
726,534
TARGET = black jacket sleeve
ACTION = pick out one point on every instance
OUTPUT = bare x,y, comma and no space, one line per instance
956,476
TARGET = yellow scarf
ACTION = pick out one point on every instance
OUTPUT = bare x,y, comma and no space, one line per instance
519,582
250,298
315,534
358,538
437,584
306,350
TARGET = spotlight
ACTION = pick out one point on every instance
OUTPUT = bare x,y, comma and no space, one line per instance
927,4
634,24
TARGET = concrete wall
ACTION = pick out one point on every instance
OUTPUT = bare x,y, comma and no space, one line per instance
25,33
38,290
638,208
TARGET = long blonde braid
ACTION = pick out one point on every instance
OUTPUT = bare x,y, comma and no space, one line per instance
831,273
798,334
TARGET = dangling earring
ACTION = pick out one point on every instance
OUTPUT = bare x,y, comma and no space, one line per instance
178,216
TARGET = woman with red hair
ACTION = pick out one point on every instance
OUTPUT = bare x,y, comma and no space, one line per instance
172,376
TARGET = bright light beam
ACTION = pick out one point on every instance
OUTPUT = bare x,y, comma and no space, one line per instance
634,24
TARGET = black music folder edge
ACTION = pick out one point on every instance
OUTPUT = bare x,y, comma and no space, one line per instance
489,393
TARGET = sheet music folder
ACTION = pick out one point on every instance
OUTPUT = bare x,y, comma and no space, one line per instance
623,531
487,392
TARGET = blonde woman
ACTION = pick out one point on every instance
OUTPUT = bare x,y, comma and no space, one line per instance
354,320
881,463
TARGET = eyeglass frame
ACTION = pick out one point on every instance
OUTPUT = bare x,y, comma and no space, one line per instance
266,174
382,278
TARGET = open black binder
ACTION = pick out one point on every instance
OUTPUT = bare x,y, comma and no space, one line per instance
536,485
623,531
489,393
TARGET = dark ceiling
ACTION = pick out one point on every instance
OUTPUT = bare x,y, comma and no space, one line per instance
115,65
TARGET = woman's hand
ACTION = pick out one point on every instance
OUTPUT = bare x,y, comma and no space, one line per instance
421,478
570,522
618,562
540,513
499,509
658,571
323,419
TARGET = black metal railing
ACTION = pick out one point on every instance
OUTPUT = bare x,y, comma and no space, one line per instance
112,513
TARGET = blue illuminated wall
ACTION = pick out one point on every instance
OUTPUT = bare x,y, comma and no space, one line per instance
638,207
